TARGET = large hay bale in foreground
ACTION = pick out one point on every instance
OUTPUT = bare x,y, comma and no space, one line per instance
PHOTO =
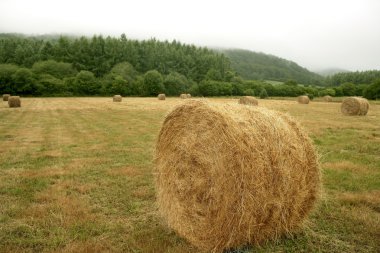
5,97
183,96
327,98
14,101
354,106
248,100
161,97
228,175
188,95
117,98
303,99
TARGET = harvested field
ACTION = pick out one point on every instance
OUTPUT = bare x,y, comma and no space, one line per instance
76,176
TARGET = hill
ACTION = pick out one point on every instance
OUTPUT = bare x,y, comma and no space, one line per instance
260,66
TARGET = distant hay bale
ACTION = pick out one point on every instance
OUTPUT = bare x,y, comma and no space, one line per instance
5,97
161,97
14,101
188,95
354,106
248,100
327,98
230,175
117,98
183,96
303,99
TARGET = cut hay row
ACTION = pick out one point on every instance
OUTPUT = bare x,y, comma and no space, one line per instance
161,97
248,100
14,101
303,99
354,106
5,97
230,175
117,98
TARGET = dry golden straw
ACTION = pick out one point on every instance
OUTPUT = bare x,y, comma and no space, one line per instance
161,97
188,95
303,99
248,100
354,106
5,97
183,96
229,175
327,98
14,101
117,98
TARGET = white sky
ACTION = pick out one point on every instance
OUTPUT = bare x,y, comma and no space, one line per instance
316,34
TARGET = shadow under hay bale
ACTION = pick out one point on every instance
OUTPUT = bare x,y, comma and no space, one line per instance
117,98
327,99
14,101
230,175
303,99
5,97
161,97
355,106
248,100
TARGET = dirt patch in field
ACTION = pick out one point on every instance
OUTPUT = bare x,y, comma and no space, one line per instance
347,166
96,245
125,171
63,203
143,192
370,199
85,162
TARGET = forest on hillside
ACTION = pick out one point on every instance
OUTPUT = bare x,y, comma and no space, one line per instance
260,66
99,54
83,66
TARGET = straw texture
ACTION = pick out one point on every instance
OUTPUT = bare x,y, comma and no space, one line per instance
117,98
161,97
248,100
327,98
14,101
228,175
355,106
5,97
303,99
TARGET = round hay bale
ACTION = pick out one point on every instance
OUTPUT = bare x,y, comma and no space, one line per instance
117,98
327,98
14,101
5,97
183,96
161,97
229,175
188,95
303,99
354,106
248,100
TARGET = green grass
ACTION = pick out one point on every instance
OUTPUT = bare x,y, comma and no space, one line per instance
76,176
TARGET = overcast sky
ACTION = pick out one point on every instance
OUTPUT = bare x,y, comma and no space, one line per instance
316,34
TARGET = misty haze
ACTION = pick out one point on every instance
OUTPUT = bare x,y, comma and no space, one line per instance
189,126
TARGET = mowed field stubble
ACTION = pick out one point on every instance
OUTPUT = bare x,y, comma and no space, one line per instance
76,176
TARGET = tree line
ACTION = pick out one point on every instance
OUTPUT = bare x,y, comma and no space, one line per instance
357,77
69,66
366,83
